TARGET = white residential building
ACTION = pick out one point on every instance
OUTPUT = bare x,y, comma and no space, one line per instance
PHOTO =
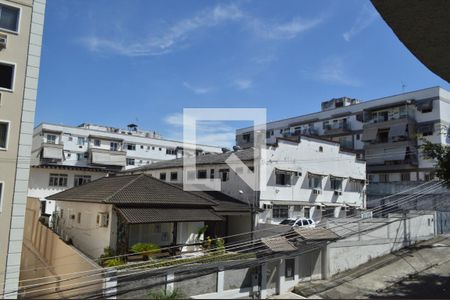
305,176
386,132
66,156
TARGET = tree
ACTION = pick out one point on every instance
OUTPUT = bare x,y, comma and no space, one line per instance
441,154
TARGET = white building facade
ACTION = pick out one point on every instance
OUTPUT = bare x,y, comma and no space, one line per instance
305,176
386,132
64,156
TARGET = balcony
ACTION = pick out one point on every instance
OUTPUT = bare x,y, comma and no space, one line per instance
337,128
107,157
52,151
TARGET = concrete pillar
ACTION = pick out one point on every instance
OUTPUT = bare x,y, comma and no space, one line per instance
281,279
263,292
220,280
325,263
170,284
297,269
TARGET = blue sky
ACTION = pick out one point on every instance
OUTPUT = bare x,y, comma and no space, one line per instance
118,62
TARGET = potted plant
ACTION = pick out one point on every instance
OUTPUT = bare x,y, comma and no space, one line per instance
143,251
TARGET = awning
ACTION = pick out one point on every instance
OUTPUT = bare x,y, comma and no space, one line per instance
352,204
293,202
425,127
369,134
278,244
357,179
337,177
288,170
108,158
317,174
397,130
166,215
333,204
52,153
316,234
395,154
91,136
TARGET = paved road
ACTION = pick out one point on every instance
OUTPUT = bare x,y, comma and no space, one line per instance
419,272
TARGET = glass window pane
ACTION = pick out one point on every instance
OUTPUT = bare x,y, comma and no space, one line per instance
6,76
3,134
9,17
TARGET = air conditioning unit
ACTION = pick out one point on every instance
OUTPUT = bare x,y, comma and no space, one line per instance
317,191
3,40
337,193
104,219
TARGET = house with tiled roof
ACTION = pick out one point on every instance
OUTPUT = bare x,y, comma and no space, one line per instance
120,211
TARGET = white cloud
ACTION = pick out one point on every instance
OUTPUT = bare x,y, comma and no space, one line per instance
197,89
242,84
333,70
176,35
288,30
365,17
214,133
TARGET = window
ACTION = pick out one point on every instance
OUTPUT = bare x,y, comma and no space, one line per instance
405,176
160,149
224,174
79,218
79,156
383,135
336,184
58,180
280,211
162,176
170,151
383,178
81,179
86,155
142,146
97,143
320,149
201,174
315,181
289,269
80,141
3,134
6,76
130,161
358,137
70,138
282,178
246,137
51,139
131,147
173,176
9,17
113,146
306,211
69,154
153,148
211,174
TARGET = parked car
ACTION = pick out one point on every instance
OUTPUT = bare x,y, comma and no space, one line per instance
299,222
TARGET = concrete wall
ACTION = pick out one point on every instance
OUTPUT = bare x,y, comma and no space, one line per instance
47,258
87,235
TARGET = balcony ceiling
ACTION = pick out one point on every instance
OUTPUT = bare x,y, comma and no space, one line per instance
423,27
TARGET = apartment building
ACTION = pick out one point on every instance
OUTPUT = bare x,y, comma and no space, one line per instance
21,27
386,132
66,156
305,176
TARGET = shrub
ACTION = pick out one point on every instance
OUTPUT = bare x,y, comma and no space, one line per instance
219,246
114,262
162,294
201,231
107,254
146,249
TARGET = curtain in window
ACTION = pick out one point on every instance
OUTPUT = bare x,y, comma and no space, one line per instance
9,17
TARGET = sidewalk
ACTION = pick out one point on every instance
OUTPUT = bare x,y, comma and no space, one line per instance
368,280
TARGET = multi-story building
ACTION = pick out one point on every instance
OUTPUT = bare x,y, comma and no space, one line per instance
66,156
21,27
386,132
305,176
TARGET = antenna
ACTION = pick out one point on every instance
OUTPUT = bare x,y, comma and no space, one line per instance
403,86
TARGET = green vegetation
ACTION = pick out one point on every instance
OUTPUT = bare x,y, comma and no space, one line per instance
201,231
146,249
162,294
441,154
107,254
113,262
219,246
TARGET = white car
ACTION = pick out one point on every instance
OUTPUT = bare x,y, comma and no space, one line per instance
299,222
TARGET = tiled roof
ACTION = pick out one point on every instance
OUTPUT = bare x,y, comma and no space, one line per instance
278,244
158,215
316,234
140,189
207,159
